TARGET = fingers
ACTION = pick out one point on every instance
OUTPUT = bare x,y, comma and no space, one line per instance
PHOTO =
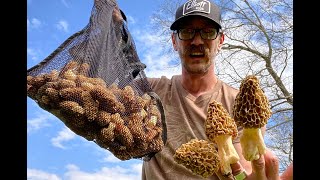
223,176
266,167
117,14
258,167
272,165
288,173
238,173
236,168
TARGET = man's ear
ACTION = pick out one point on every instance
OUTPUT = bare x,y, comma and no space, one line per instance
174,41
221,40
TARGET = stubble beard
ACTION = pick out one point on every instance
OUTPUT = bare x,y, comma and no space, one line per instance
200,67
196,69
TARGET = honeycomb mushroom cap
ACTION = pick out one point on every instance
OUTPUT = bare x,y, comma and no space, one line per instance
251,108
119,120
199,156
219,122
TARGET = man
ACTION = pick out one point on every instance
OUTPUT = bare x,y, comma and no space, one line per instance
197,37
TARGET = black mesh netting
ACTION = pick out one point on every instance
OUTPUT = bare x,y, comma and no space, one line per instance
95,84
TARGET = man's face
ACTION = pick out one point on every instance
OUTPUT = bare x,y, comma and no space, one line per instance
197,54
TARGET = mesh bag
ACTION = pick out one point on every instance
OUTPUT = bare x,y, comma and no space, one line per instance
95,84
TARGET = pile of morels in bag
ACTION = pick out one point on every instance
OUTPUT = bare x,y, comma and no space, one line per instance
116,119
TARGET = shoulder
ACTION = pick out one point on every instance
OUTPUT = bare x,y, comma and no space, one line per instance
162,81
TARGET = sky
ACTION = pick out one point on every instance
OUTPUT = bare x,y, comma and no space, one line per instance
53,151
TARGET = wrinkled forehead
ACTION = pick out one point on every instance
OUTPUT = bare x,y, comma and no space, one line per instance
196,21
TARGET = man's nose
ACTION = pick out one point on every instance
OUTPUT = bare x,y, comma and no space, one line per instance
197,39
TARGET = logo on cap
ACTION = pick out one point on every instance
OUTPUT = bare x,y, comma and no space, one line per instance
196,6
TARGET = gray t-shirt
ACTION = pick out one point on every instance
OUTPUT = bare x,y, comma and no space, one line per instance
185,117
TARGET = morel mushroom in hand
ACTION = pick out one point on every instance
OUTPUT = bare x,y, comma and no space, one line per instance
251,111
199,156
221,129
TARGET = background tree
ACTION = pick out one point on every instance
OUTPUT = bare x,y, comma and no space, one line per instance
259,41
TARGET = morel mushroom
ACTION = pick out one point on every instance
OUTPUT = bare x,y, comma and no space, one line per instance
221,129
117,119
199,156
251,111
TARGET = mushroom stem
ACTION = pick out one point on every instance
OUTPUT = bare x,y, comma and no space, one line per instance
227,153
252,143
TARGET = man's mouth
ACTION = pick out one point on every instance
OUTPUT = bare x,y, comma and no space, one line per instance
197,54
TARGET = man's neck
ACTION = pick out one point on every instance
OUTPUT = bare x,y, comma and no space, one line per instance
197,84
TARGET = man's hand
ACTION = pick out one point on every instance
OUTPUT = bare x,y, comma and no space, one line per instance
288,173
116,14
264,168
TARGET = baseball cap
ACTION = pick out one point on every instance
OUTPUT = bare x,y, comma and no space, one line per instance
204,8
